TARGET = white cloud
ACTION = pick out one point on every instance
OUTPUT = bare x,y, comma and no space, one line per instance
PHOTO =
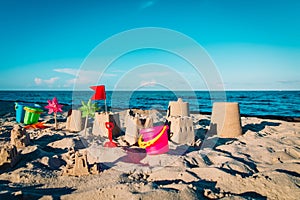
155,74
148,83
38,81
288,81
51,81
109,75
119,71
70,71
70,82
82,77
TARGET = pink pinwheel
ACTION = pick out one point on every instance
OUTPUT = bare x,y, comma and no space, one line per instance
54,107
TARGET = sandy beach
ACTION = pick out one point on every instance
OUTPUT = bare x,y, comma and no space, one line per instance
263,163
150,99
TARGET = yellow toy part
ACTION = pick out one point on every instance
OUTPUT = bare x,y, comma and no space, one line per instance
144,145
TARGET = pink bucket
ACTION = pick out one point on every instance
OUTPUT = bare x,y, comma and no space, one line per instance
154,140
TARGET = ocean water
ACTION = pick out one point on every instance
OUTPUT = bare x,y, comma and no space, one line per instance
252,103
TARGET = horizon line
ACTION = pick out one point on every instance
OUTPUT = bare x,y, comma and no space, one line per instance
198,90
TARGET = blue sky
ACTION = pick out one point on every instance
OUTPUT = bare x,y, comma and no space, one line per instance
254,43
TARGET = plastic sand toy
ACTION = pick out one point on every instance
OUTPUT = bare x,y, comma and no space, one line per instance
154,140
54,107
32,115
20,112
39,125
110,127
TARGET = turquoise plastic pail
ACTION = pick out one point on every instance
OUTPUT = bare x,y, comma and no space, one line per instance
20,112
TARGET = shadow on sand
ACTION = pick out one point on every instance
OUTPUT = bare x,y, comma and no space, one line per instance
30,192
133,156
201,185
259,127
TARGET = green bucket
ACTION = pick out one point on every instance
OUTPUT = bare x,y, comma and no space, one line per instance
32,115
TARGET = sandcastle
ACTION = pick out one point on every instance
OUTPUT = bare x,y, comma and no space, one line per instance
9,155
182,130
19,137
178,108
77,165
74,121
135,122
99,128
180,122
226,120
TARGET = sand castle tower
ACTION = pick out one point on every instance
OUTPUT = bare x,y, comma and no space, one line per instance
180,122
19,137
178,108
78,165
99,128
74,121
226,120
9,155
135,121
132,130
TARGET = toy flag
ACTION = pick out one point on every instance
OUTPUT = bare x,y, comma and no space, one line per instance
99,92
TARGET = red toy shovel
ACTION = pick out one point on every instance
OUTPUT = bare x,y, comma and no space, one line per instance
110,127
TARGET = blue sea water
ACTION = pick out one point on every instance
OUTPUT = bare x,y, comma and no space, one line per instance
253,103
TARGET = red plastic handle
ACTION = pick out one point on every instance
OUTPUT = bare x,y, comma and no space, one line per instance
109,125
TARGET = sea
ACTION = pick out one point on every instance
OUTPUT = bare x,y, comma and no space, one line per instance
252,103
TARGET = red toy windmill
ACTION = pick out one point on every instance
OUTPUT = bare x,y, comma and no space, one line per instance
99,94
